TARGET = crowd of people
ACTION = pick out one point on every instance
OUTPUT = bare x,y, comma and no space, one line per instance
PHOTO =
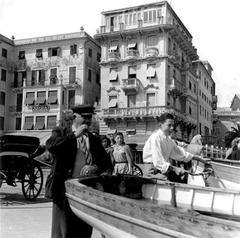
75,151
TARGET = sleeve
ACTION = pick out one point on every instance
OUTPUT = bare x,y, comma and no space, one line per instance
180,154
158,159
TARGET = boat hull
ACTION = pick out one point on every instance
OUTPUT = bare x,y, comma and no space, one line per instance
120,216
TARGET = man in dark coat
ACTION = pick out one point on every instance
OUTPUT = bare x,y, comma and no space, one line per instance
91,157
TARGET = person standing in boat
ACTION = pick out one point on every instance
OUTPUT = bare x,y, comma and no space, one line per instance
122,156
159,149
91,157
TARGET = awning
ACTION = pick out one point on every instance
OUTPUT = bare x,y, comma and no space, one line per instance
52,100
113,48
40,124
151,72
112,103
132,70
51,122
28,126
29,101
113,75
132,46
41,100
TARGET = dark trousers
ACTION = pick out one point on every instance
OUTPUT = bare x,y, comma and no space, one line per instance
65,224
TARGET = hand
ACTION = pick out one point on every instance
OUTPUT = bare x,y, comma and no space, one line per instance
178,170
89,170
79,131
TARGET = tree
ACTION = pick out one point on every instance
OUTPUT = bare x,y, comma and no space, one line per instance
230,135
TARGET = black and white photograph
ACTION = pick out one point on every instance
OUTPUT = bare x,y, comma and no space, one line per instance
119,119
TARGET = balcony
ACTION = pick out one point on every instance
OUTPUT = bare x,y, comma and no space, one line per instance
130,85
139,112
113,56
174,57
132,54
16,109
151,52
176,88
21,65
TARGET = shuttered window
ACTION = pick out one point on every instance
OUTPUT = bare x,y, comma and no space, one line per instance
51,122
29,98
52,97
151,71
113,74
41,98
28,124
72,74
40,123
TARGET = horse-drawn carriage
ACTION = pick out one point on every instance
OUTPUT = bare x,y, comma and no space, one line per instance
17,163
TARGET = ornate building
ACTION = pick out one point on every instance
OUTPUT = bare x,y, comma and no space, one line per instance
146,69
47,75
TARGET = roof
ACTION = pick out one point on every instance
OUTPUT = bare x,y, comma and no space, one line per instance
42,135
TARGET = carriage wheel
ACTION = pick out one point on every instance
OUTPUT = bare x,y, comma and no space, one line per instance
32,182
136,170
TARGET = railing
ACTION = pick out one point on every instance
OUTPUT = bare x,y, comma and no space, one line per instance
140,111
113,55
151,52
176,86
17,85
132,53
15,108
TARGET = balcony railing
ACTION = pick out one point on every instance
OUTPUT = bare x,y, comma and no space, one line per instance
15,109
177,88
130,85
17,85
21,64
151,52
113,56
132,54
152,111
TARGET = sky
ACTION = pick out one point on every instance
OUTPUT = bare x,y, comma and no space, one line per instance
214,25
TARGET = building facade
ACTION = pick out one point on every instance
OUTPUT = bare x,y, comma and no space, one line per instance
49,75
147,69
226,118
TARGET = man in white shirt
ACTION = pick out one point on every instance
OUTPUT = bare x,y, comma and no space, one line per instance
160,148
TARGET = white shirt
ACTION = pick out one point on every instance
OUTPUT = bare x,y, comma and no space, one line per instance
159,148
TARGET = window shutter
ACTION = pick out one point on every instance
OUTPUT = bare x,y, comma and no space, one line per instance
49,52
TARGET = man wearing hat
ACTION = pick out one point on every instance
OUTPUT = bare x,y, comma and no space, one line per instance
91,158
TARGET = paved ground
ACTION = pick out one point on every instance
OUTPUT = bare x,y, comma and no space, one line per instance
25,219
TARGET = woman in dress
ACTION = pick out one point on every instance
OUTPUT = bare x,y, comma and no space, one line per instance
122,156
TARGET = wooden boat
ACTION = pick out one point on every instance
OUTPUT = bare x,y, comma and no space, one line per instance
227,162
229,175
130,206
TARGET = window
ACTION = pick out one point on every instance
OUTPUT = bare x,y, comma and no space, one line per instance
18,123
2,98
52,97
71,98
53,76
150,99
34,77
54,51
21,55
3,75
39,53
114,46
190,85
28,125
1,123
73,49
151,71
132,46
19,102
41,77
190,110
90,52
89,75
132,72
41,98
112,101
51,122
4,53
29,98
40,123
113,74
131,100
98,57
150,16
72,74
97,78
